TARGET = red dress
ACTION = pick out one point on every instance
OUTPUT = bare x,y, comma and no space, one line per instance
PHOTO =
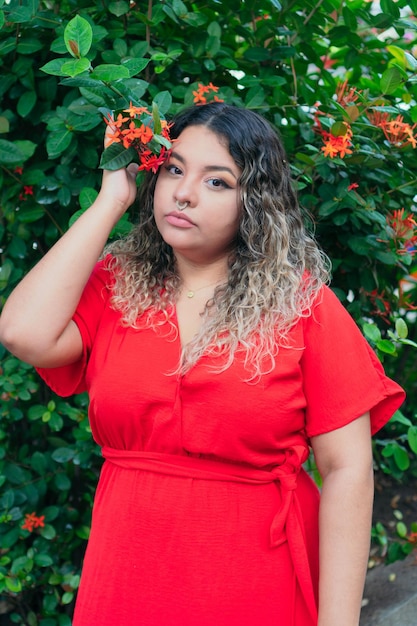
203,513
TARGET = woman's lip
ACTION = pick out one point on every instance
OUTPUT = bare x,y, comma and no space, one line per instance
175,218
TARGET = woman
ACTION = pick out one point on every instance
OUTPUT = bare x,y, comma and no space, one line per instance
215,356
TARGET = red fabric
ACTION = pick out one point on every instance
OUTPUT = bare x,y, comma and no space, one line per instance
203,514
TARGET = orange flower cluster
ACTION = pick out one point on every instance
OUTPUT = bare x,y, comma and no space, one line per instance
132,128
404,232
396,131
33,521
334,145
345,95
339,145
206,93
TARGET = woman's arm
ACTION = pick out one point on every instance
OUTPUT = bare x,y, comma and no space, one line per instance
35,323
344,459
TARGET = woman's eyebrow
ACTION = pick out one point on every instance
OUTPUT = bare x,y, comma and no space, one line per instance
207,168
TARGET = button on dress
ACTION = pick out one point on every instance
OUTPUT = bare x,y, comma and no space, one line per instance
204,514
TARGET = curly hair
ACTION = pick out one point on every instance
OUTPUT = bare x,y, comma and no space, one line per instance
275,271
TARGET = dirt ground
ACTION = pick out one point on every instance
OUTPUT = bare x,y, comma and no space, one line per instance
390,596
394,502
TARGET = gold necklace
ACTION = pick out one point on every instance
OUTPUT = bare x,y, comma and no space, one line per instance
191,292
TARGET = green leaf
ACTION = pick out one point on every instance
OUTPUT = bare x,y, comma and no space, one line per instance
401,328
62,482
54,67
372,332
135,66
87,197
38,462
67,597
119,8
116,156
26,147
179,8
411,61
401,458
29,45
10,154
109,72
400,418
48,532
13,584
214,30
390,7
386,346
57,142
75,66
27,216
412,438
43,560
401,529
163,100
156,119
19,14
78,37
398,54
391,79
4,125
255,98
7,46
63,455
26,103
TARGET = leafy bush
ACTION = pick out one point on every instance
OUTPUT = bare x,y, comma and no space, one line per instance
337,79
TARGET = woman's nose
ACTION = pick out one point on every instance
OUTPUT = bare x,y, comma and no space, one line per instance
185,192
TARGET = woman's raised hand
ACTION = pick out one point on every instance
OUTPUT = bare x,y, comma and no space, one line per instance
118,187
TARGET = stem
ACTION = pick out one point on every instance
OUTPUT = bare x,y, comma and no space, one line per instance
411,182
53,220
115,90
12,174
308,18
148,36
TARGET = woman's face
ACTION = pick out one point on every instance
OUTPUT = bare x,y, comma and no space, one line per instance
202,173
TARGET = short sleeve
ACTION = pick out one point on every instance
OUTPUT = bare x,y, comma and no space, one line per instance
70,379
342,376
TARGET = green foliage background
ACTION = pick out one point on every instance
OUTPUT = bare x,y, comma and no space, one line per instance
278,57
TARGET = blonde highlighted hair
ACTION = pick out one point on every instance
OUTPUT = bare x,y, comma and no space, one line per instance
276,269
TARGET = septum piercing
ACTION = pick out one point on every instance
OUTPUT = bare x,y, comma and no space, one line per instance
181,205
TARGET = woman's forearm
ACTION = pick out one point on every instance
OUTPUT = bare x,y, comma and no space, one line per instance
345,524
40,308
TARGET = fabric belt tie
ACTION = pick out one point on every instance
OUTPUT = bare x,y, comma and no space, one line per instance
287,524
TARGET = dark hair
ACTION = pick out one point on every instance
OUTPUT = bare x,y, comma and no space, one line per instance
276,269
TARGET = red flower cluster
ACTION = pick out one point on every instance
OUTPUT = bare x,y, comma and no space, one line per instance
404,232
135,128
27,191
206,93
381,306
33,521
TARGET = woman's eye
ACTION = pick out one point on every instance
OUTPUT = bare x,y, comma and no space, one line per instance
218,183
173,169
